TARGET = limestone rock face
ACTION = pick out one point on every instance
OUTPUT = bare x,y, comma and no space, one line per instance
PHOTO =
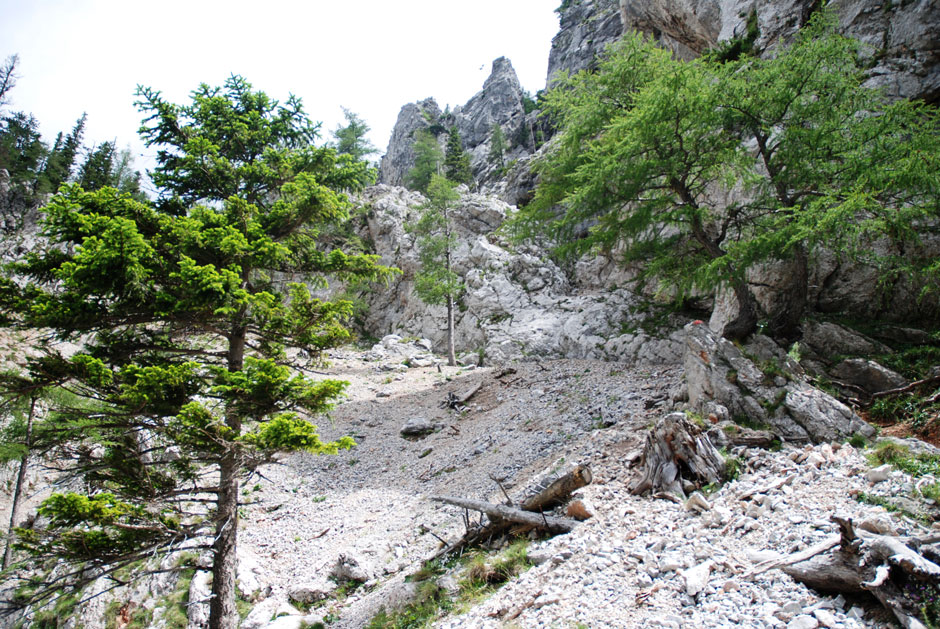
517,302
726,381
399,158
900,37
498,103
586,27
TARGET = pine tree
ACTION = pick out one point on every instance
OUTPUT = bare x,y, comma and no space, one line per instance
428,160
96,171
185,327
22,151
437,283
61,160
456,159
351,139
8,77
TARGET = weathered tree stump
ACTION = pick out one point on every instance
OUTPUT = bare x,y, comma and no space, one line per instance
677,449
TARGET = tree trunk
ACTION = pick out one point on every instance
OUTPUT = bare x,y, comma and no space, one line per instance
785,322
559,490
451,355
745,323
20,484
222,611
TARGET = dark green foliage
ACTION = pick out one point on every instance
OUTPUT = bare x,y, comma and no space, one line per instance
650,147
21,149
184,327
428,161
61,159
105,166
456,159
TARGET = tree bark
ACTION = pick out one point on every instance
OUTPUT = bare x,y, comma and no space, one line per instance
222,611
785,322
20,484
745,323
451,354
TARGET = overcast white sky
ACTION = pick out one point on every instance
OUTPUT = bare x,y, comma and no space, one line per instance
371,56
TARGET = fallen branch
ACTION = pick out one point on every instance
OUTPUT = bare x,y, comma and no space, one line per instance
510,514
559,490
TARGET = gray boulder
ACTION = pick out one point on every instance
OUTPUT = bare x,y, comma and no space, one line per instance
868,375
719,374
351,567
417,427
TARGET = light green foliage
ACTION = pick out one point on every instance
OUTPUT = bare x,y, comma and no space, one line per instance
650,148
901,457
183,325
428,161
436,282
351,139
456,159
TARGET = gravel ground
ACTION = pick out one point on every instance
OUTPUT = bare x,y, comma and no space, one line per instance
625,567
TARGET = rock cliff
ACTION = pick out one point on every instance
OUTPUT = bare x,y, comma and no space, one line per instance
500,102
900,37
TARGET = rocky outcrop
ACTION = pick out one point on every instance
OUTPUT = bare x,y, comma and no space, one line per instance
399,158
500,102
585,28
517,302
760,384
900,37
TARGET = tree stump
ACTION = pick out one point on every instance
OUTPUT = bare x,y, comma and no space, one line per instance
677,449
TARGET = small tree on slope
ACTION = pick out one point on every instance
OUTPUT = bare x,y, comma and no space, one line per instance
437,283
185,328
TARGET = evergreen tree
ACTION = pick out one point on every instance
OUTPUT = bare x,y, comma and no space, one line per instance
651,147
497,145
437,283
21,148
185,328
61,160
456,160
96,171
351,139
428,160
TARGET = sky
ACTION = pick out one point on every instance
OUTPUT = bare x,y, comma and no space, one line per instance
371,56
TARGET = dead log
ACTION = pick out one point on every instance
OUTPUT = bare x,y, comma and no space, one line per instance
898,571
559,490
498,513
676,449
457,402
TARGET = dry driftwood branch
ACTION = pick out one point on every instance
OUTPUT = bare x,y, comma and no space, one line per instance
502,512
898,571
675,450
559,491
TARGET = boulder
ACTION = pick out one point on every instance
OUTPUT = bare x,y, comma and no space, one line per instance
831,339
718,372
417,427
351,567
200,593
311,591
868,375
